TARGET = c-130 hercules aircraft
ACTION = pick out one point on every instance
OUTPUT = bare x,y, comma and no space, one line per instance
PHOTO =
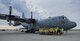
32,24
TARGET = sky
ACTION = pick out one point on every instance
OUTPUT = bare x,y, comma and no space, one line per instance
42,9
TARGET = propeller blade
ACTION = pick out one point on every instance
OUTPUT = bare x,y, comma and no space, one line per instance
10,10
9,17
31,15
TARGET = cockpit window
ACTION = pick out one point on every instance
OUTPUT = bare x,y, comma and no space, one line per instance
62,17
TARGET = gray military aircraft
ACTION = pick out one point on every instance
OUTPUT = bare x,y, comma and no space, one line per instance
32,24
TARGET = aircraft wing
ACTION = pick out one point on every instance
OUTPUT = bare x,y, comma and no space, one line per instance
13,18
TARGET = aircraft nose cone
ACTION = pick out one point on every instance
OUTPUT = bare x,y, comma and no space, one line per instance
74,24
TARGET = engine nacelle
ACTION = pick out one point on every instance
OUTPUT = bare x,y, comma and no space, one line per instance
16,23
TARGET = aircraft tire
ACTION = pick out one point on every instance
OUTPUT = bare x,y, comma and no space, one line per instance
27,31
59,32
32,31
22,31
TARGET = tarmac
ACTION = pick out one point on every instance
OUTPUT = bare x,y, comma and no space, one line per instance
21,36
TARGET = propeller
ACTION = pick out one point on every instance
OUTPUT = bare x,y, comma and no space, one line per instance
31,15
10,10
9,16
32,21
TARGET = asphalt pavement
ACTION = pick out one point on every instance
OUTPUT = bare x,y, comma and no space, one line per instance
21,36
